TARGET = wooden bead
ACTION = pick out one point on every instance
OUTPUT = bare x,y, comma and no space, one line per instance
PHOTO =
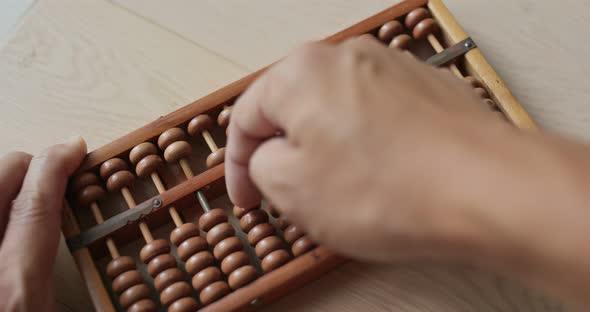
177,150
167,278
259,232
199,261
214,292
175,292
206,277
199,124
134,294
160,263
170,136
481,93
83,180
126,280
226,247
425,28
234,261
119,180
268,245
120,265
190,247
153,249
401,42
224,117
215,158
274,260
283,223
90,194
219,233
416,16
242,276
292,233
148,165
141,151
144,305
390,30
252,218
111,166
212,218
472,81
187,304
184,232
302,245
239,212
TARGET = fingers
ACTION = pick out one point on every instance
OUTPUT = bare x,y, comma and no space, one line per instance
13,168
270,105
274,168
32,232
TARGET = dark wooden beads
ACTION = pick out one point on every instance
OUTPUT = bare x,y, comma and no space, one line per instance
392,33
129,285
199,124
215,158
145,158
115,172
421,24
259,231
294,235
227,248
168,278
224,117
88,188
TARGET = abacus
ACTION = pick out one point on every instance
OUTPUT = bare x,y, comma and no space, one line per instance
152,229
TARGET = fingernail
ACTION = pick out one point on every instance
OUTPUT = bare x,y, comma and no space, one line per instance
77,142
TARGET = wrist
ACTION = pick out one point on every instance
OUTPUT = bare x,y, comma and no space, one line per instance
538,226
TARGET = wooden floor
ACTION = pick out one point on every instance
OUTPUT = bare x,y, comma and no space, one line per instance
103,68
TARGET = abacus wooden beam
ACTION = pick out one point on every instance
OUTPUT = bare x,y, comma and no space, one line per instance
233,259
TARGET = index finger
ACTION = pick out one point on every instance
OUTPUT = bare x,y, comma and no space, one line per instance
262,111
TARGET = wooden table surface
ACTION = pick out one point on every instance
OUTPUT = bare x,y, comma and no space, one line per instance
103,68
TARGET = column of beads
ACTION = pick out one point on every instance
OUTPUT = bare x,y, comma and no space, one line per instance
127,282
269,247
175,292
392,33
201,125
146,160
294,235
423,26
227,248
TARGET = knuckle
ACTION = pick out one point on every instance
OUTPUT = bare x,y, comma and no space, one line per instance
309,55
53,157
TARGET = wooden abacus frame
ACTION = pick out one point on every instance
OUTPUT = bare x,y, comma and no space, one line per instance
311,265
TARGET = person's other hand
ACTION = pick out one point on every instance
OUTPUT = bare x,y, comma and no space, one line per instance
31,202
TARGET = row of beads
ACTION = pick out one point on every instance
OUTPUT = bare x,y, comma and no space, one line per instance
422,25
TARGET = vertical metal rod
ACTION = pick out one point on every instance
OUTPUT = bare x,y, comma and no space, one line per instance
203,201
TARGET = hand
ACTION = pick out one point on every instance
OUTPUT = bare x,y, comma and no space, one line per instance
31,201
384,158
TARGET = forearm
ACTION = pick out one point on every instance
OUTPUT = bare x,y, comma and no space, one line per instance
539,230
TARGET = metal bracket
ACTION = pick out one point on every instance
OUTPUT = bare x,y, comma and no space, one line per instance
452,52
112,224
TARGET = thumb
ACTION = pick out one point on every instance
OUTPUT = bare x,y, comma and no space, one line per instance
274,169
32,234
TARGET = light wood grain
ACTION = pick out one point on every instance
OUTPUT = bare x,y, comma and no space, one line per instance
111,67
90,68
